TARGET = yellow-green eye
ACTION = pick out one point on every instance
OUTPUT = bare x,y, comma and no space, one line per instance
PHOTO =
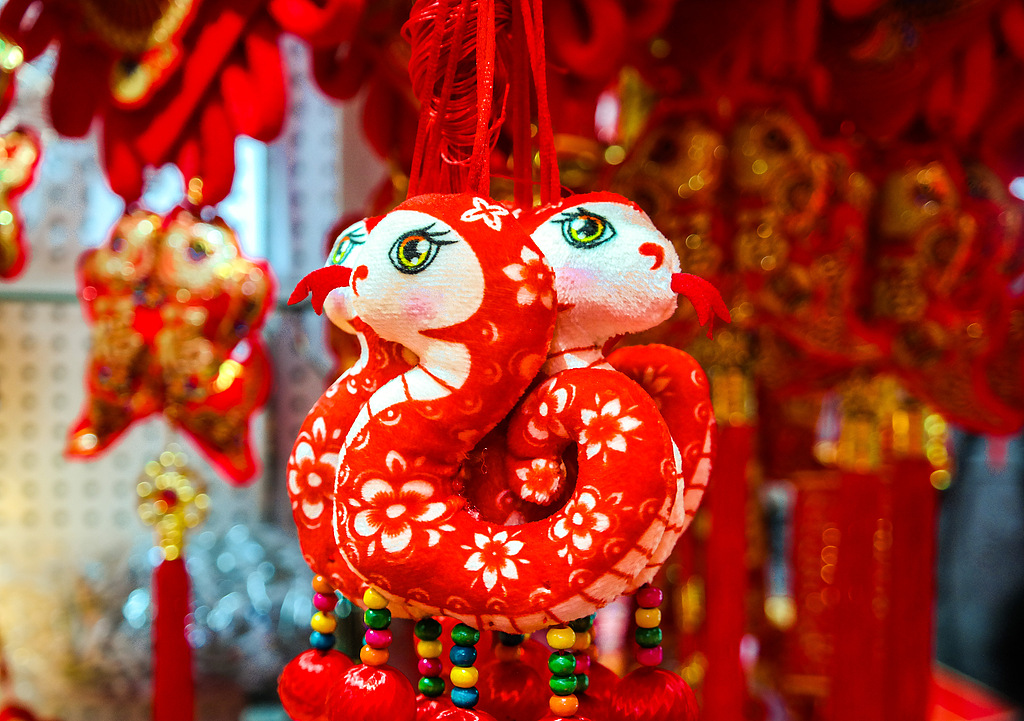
351,237
416,249
584,229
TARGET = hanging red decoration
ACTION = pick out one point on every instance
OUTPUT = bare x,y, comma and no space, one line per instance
19,158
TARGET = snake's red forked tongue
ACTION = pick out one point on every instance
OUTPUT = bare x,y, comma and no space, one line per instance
320,282
706,299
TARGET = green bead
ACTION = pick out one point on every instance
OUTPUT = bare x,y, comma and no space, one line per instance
431,687
428,629
648,637
464,635
583,624
562,663
582,682
378,618
563,685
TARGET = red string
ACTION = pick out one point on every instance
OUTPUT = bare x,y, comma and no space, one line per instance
479,177
521,144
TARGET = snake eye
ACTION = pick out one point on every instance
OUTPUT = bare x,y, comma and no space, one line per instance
345,244
584,229
415,250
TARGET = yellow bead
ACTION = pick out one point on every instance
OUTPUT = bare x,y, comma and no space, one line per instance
561,638
429,649
582,641
373,656
564,705
323,622
648,617
373,599
322,585
464,677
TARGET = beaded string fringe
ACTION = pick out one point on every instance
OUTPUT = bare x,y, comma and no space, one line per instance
428,648
648,626
464,675
377,618
581,650
323,623
562,665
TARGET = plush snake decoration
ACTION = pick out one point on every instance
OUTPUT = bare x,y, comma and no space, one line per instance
377,475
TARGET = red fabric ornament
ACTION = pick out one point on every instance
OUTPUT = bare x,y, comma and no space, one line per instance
428,708
369,693
175,308
653,694
512,691
464,714
19,158
306,681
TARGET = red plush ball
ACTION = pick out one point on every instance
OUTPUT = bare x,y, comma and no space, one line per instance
306,680
603,682
372,693
463,714
512,691
428,708
653,694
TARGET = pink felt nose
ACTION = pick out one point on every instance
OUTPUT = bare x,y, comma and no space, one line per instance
321,282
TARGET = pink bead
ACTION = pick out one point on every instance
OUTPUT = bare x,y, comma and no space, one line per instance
582,663
649,656
324,602
378,638
649,597
430,667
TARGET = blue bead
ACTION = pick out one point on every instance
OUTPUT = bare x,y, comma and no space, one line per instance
462,655
465,697
321,641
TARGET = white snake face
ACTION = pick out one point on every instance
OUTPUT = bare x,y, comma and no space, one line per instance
613,268
416,273
345,252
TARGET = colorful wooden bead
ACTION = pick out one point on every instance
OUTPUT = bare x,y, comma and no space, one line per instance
563,705
429,667
582,663
582,682
462,655
563,685
322,585
429,649
465,697
583,624
377,617
324,601
464,677
649,656
562,663
511,639
464,635
582,642
431,687
323,622
649,597
373,599
378,638
428,629
321,641
561,637
648,637
647,617
373,656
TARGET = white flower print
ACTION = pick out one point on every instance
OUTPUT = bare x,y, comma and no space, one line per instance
579,522
493,556
490,214
605,429
390,513
534,275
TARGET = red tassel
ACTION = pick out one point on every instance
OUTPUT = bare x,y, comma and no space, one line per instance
512,691
653,694
372,693
307,679
173,694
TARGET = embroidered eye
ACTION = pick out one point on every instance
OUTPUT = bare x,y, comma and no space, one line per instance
345,244
584,229
416,249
